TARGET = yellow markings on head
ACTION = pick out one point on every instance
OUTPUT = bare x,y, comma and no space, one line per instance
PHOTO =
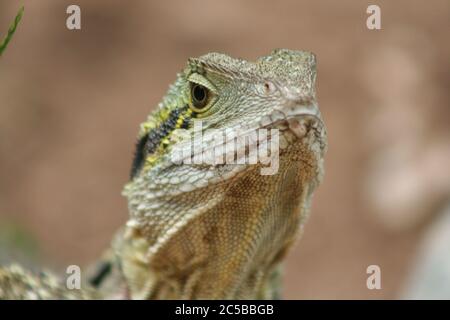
155,120
165,141
180,122
162,126
183,117
150,161
146,127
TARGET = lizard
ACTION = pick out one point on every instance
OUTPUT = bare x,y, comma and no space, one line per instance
221,229
19,284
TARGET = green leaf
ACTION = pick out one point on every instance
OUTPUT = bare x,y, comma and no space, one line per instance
11,31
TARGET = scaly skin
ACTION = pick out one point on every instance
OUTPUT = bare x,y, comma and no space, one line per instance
219,231
17,283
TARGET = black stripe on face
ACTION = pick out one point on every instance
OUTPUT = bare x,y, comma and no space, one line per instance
139,157
186,123
149,143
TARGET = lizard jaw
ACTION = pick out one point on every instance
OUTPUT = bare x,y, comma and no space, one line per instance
295,124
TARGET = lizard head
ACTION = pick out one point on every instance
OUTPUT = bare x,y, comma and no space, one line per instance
194,153
234,98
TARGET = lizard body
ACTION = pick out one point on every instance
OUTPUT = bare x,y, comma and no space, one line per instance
17,283
202,230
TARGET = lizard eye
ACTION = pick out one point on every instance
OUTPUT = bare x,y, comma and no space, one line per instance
199,97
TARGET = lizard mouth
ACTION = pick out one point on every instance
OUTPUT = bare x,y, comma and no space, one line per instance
295,124
298,125
294,116
293,127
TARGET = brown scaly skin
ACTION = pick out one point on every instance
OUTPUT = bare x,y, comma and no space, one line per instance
202,231
18,284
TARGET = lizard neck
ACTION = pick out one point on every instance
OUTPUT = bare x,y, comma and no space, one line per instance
231,248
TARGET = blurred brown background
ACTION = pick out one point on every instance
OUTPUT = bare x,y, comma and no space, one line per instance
71,103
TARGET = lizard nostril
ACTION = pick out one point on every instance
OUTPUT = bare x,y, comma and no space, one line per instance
269,87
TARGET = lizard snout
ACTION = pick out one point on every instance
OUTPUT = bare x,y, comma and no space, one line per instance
300,105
